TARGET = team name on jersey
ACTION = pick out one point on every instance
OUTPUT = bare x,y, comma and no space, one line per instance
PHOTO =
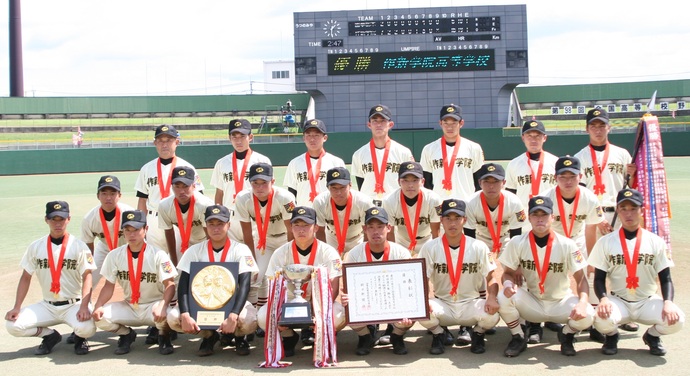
68,264
554,267
196,222
422,221
620,259
390,167
152,181
545,178
485,224
579,218
102,235
273,218
147,277
614,168
228,176
351,222
302,176
471,267
459,162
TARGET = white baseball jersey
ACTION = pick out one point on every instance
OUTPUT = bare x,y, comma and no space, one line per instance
237,252
588,213
223,176
477,263
654,257
565,259
167,216
77,260
470,158
324,218
519,175
359,253
92,228
513,217
281,210
147,181
297,178
362,167
431,202
157,268
612,176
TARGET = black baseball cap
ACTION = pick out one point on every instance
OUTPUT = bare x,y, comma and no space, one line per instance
540,203
315,123
134,218
492,170
451,110
338,175
109,181
376,213
382,110
183,174
304,213
240,125
263,171
533,125
453,205
57,209
597,114
166,129
631,195
410,168
217,212
568,164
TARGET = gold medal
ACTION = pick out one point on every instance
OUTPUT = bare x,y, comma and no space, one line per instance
212,287
455,297
56,296
631,291
136,306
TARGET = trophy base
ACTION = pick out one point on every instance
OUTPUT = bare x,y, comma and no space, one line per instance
296,315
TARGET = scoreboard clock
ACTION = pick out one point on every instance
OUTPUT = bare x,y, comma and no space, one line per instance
413,60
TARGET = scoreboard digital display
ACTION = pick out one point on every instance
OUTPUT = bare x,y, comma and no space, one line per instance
411,62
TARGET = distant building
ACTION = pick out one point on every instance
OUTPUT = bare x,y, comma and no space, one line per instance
279,76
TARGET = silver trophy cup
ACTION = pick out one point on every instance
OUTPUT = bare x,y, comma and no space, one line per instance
297,312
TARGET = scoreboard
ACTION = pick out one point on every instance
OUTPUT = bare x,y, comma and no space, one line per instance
414,60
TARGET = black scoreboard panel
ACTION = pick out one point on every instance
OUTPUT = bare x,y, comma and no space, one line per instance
414,60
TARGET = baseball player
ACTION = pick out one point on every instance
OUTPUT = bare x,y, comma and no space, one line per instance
450,162
305,174
218,248
632,285
546,259
378,248
458,267
375,164
231,173
63,265
307,250
413,209
183,210
340,212
146,275
533,172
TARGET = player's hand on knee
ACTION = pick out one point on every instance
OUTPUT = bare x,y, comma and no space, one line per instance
97,314
670,313
579,312
12,315
83,314
604,308
229,325
491,306
159,316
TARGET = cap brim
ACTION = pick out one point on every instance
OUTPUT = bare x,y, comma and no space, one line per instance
456,211
568,169
220,217
175,135
636,202
495,176
542,208
604,120
415,173
313,127
136,225
340,181
58,214
109,186
186,181
380,114
308,220
243,131
454,116
261,177
542,131
380,219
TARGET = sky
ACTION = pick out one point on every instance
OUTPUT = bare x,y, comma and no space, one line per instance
208,47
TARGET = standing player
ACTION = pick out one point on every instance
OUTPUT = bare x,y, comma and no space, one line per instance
184,210
378,248
231,173
218,248
458,267
146,276
304,176
340,212
375,164
450,162
63,265
413,209
546,259
633,285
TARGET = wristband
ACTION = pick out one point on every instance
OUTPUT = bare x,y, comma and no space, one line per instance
508,284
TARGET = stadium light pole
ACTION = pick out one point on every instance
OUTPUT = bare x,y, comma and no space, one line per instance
16,66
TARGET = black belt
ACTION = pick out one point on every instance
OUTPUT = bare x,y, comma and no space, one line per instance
629,301
277,235
608,209
64,302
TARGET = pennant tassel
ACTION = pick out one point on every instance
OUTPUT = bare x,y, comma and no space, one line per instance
273,343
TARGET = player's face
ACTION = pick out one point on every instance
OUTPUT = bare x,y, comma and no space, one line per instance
451,127
598,132
377,232
339,193
303,231
58,226
217,229
410,185
262,188
166,145
183,192
541,222
379,126
240,142
452,224
314,139
134,236
567,181
491,187
534,141
630,215
109,198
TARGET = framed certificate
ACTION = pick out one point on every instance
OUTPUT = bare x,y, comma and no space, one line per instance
386,291
212,294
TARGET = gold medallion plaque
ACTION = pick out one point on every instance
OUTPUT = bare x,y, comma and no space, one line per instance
213,286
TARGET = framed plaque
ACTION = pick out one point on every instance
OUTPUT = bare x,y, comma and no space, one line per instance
213,287
386,291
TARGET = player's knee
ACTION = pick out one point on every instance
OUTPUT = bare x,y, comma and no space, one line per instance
261,317
86,330
14,329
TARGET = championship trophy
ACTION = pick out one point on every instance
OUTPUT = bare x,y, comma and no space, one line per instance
297,312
